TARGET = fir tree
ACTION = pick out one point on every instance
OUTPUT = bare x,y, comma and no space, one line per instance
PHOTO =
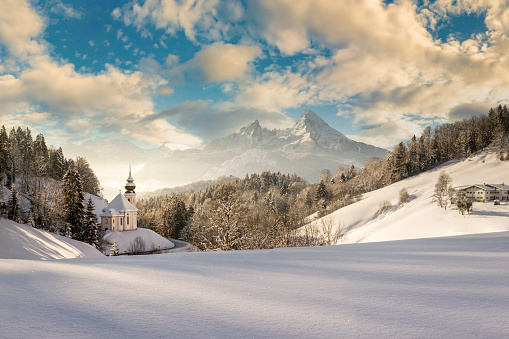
90,228
114,249
321,191
73,208
309,199
13,209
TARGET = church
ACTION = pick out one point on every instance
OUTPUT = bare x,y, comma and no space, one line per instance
121,213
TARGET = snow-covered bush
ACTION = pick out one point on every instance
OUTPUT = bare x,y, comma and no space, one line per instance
137,245
384,206
403,195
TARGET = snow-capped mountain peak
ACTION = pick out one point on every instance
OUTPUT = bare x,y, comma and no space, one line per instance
254,129
310,122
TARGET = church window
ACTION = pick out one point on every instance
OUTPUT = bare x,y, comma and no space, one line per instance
128,219
121,221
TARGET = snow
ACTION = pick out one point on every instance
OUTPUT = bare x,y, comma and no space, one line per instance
118,206
125,238
420,217
448,287
19,241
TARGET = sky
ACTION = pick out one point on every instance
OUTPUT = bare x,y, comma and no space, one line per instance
183,72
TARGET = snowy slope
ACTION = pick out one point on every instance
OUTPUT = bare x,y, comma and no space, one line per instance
430,288
420,217
124,239
19,241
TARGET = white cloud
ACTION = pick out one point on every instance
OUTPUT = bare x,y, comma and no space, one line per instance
172,60
19,32
222,62
171,15
91,43
66,10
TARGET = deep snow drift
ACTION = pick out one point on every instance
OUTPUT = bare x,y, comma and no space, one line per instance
448,287
19,241
420,217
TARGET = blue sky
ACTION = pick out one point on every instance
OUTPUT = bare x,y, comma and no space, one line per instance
182,72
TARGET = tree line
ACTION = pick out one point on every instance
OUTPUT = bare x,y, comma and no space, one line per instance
46,189
25,161
265,210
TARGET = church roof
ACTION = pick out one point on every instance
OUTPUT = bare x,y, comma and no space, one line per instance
118,206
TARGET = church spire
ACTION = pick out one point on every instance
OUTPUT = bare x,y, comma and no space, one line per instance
130,185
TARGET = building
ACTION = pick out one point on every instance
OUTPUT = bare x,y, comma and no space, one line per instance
485,192
121,213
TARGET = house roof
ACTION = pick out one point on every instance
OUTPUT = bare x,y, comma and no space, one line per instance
499,186
483,187
118,206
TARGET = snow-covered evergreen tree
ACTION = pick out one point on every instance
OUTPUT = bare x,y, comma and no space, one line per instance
73,208
321,191
114,249
90,228
13,209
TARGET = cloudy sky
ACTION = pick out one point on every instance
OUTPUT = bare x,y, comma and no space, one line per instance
181,72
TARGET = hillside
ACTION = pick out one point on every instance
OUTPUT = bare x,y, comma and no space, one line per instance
420,217
19,241
429,288
124,239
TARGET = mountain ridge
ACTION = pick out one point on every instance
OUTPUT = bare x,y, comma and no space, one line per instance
306,148
310,133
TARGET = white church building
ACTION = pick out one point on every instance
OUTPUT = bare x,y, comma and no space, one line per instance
121,213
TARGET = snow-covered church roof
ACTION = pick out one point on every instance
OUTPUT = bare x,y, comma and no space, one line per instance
118,206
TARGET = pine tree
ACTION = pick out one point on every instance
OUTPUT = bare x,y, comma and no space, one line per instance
90,228
321,191
57,164
13,209
73,208
4,158
309,199
114,249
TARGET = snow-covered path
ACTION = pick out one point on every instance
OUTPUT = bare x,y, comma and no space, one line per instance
455,287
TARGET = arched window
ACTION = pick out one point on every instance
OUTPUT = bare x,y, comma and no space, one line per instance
121,220
128,219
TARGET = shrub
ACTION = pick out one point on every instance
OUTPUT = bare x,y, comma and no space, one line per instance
137,245
403,195
384,206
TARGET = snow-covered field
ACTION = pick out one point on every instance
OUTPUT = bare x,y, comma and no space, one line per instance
420,217
449,287
24,242
454,286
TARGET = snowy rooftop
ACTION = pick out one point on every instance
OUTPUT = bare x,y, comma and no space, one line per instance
485,187
118,206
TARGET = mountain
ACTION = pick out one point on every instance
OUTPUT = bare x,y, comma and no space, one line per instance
309,134
307,148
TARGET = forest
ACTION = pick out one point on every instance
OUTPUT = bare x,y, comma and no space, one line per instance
46,189
266,210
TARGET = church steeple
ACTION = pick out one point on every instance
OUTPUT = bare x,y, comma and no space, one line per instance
130,186
129,189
